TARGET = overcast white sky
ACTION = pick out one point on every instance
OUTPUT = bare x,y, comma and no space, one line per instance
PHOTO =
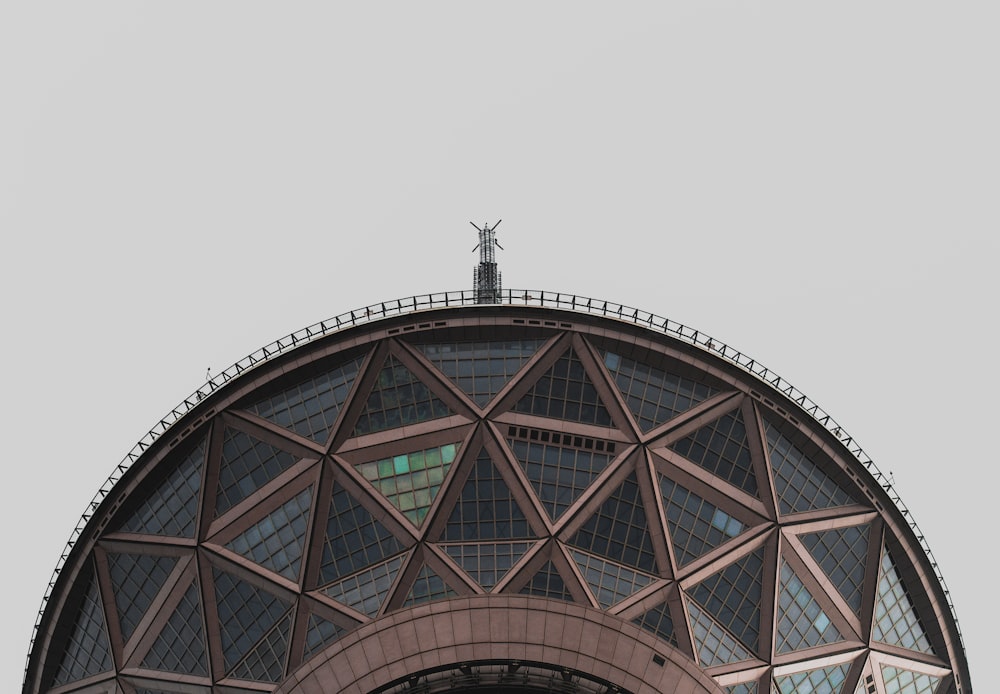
813,183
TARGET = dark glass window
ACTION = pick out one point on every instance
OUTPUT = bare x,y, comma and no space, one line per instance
896,622
398,399
88,651
732,596
558,474
486,509
310,408
841,553
714,645
659,622
548,583
654,396
320,634
276,542
136,579
801,621
481,369
799,482
618,530
696,526
487,562
566,392
180,647
908,682
428,586
265,663
171,509
246,616
829,679
247,465
354,539
721,448
366,590
610,582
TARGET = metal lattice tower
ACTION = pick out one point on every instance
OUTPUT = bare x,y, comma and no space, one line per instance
486,277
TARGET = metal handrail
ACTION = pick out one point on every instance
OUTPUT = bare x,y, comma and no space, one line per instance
513,297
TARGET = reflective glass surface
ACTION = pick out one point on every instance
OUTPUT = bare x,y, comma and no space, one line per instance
659,622
180,647
428,586
900,681
246,615
411,481
398,398
136,579
366,590
842,554
619,529
801,485
566,392
247,465
653,395
801,621
486,509
320,633
276,542
487,562
265,663
547,583
732,596
896,622
609,582
354,539
721,448
88,651
172,507
481,369
696,526
714,645
558,474
829,680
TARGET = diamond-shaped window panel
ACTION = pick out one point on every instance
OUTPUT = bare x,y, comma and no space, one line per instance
566,392
180,647
802,623
481,369
841,554
246,615
136,579
721,448
172,508
696,526
354,540
732,596
310,408
610,582
266,662
618,530
486,509
87,652
899,681
366,590
547,583
800,483
654,396
276,542
829,679
320,633
398,399
247,465
558,474
658,621
428,586
896,622
715,646
487,562
410,481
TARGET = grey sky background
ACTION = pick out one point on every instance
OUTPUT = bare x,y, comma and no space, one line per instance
813,183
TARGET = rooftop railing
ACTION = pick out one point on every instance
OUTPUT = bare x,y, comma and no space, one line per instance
512,297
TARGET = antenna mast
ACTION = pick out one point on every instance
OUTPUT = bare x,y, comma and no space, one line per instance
486,277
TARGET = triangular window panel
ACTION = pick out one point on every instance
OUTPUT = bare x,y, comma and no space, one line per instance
354,539
658,621
481,369
619,531
896,622
247,465
398,399
610,582
426,587
566,392
829,679
276,542
366,590
310,408
180,647
246,613
320,633
899,681
800,483
715,646
654,396
486,509
547,583
171,509
136,579
802,623
266,662
87,652
732,596
841,553
558,474
721,448
742,688
696,526
487,562
410,481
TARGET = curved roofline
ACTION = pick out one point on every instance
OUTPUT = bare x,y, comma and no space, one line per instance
513,297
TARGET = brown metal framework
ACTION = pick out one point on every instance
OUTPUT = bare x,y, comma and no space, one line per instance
743,592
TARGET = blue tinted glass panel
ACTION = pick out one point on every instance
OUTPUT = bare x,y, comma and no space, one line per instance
88,651
842,553
696,526
246,613
800,484
732,597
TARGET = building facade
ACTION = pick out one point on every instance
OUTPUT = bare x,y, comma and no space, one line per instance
546,494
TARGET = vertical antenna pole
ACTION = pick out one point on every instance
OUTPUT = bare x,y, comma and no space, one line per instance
486,278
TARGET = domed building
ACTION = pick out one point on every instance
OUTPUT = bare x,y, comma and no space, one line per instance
535,492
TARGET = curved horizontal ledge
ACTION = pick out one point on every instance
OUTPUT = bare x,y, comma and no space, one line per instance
498,628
